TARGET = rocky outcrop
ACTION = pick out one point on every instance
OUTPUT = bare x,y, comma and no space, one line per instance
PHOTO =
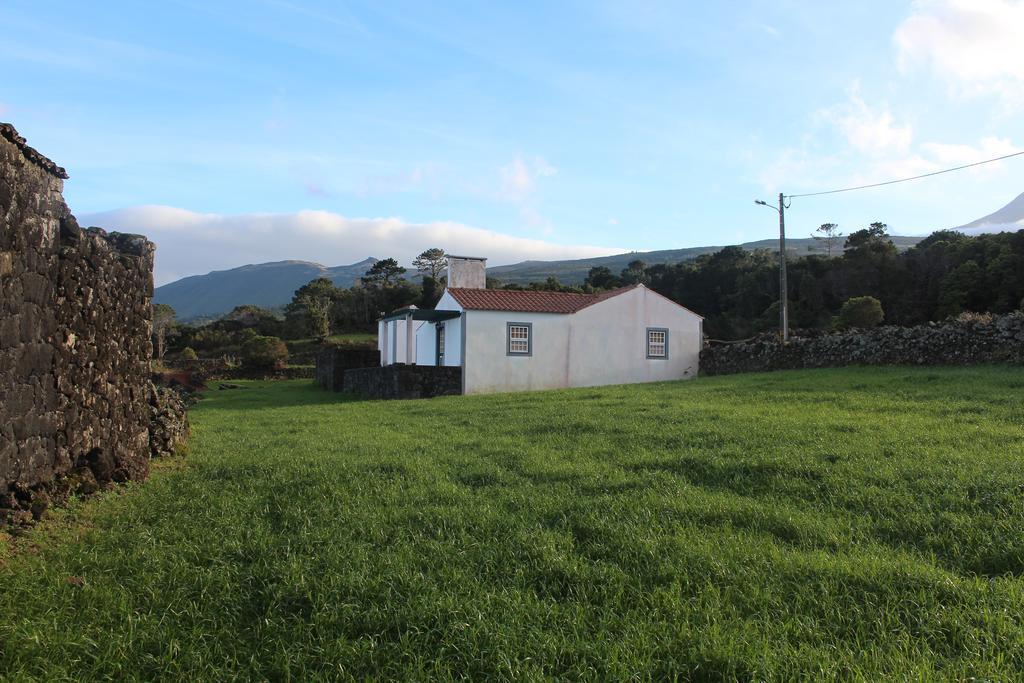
74,341
967,340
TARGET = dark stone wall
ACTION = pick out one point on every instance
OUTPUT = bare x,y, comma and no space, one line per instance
168,422
404,381
74,336
332,362
218,368
968,340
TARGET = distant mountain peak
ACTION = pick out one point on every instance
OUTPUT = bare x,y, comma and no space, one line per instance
1008,218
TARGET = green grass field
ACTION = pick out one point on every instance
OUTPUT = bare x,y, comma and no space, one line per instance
851,524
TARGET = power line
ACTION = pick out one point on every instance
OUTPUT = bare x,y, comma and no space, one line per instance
903,180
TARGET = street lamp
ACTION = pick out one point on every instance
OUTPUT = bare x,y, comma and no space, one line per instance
783,290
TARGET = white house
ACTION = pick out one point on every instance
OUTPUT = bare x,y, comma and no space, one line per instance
507,340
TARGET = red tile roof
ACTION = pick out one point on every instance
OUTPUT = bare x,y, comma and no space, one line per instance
522,301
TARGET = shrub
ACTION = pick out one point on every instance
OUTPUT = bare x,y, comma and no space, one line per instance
861,311
975,318
188,353
246,335
265,353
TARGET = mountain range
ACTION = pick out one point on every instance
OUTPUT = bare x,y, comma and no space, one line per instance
269,285
272,285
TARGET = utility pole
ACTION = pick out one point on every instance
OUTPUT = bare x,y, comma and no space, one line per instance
783,289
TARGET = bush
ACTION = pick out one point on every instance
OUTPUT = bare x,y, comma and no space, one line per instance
188,353
969,317
245,336
265,353
861,311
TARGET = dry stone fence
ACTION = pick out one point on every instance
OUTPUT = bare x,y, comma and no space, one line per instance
969,339
332,363
358,371
76,400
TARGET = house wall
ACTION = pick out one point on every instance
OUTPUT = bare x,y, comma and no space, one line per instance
608,341
392,340
424,343
453,334
489,368
603,344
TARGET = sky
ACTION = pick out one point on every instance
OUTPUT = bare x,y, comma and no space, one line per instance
242,132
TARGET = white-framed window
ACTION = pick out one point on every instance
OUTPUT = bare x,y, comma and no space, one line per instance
657,342
519,339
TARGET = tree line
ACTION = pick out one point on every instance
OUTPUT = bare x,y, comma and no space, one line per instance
737,291
317,310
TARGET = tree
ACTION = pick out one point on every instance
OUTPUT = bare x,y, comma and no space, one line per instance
872,235
861,311
829,235
601,277
964,289
430,292
265,353
383,273
809,308
635,271
869,265
248,315
432,261
311,307
163,320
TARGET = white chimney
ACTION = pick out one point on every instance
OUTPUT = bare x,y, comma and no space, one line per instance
467,272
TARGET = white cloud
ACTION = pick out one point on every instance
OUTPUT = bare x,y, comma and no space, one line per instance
957,155
519,178
190,243
872,147
870,130
4,108
936,156
977,46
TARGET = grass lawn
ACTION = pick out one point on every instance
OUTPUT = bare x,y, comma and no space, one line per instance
854,524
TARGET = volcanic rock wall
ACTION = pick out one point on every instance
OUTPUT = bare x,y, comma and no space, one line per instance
404,381
74,339
968,340
332,362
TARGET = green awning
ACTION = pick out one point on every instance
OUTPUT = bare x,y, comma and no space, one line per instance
421,314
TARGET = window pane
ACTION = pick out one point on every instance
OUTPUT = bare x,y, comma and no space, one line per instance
519,339
656,343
